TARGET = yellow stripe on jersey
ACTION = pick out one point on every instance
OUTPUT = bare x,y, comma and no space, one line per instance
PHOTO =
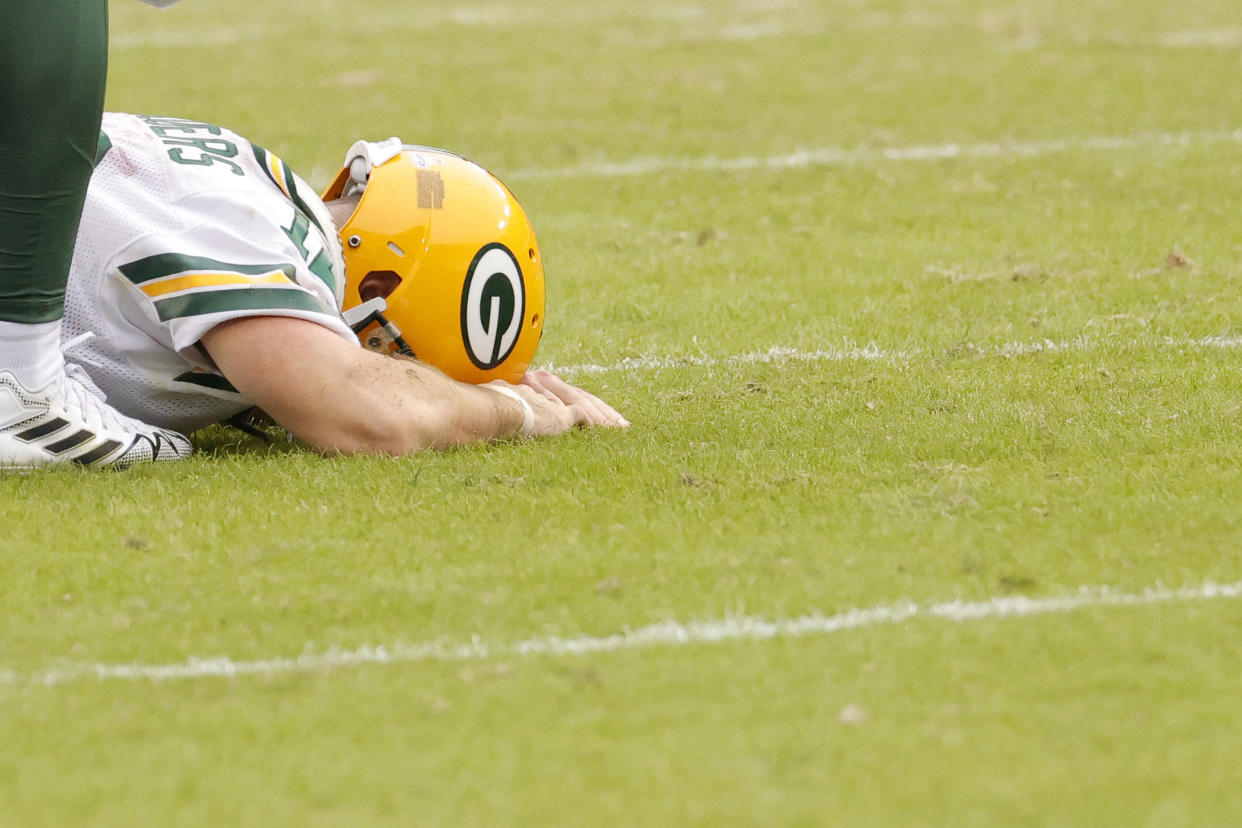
276,169
212,279
180,286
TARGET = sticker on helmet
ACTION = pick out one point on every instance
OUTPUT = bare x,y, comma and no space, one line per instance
493,301
430,190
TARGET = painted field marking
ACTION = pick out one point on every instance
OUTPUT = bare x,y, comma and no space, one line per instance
1200,38
872,352
845,156
675,24
665,634
848,353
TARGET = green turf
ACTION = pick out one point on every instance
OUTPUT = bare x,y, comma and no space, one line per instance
1006,374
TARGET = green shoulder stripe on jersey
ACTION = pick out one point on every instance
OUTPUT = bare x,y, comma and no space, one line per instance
164,265
270,163
181,286
214,381
320,264
241,299
101,149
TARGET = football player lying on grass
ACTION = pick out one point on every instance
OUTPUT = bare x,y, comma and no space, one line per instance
209,279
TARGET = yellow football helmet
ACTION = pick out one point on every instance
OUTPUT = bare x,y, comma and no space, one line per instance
440,261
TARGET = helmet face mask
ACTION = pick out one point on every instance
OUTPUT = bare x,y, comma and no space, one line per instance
440,261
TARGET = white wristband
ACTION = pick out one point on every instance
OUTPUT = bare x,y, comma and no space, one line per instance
528,424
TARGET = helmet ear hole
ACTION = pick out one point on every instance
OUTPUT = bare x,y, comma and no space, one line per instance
378,284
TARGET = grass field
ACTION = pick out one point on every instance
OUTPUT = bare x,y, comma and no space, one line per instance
927,317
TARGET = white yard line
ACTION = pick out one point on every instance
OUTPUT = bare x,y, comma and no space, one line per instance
848,156
873,352
666,634
866,353
195,37
633,26
1198,39
629,25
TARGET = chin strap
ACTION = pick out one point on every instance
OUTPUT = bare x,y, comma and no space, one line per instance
246,421
362,157
359,317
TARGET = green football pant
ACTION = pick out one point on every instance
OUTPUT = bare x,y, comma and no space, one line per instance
53,66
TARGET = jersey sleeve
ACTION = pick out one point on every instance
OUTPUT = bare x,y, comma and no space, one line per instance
240,260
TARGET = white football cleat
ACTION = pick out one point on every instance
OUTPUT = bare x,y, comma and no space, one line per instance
68,421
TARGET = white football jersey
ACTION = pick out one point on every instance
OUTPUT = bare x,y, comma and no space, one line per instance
188,225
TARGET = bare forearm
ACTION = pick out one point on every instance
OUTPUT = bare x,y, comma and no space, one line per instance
396,406
341,399
423,408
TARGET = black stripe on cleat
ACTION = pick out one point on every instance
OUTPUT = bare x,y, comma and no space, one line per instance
72,441
50,427
98,453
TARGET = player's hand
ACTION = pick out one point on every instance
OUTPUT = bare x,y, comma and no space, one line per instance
555,390
556,406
